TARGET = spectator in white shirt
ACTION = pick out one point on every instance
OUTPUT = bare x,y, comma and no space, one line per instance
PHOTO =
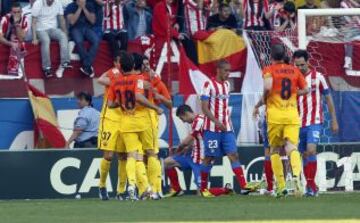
26,11
45,17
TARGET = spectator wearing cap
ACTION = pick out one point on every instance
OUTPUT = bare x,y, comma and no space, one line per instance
222,20
45,17
80,15
86,124
139,23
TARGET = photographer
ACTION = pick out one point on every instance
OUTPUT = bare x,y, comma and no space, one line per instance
13,28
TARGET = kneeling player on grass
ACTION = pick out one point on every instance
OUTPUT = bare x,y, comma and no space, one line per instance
189,154
282,84
219,136
312,117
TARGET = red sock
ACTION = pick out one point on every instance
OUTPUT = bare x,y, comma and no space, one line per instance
269,175
218,191
174,180
239,173
312,168
204,181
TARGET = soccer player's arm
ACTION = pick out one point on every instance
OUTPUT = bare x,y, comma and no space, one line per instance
268,83
104,79
303,88
112,102
205,98
185,144
141,99
163,95
257,106
330,103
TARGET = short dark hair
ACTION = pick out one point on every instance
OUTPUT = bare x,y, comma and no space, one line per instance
221,63
182,109
127,62
85,96
138,61
15,5
223,5
289,7
278,52
301,54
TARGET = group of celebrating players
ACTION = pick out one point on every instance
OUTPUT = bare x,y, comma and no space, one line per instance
130,117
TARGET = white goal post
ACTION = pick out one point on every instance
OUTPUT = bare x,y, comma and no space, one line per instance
303,13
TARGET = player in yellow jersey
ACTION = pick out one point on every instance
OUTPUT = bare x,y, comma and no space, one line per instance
282,84
156,91
109,140
127,93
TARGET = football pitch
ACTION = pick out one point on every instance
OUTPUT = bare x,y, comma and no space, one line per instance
340,207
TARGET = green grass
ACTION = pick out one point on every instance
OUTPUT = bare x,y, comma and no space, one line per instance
344,206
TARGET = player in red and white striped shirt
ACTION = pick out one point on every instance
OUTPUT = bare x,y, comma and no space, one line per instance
190,153
311,113
13,28
219,137
114,25
254,13
195,17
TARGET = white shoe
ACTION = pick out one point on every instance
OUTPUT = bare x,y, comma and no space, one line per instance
60,72
348,63
132,193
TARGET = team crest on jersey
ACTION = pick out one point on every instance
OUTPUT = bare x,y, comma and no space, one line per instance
140,84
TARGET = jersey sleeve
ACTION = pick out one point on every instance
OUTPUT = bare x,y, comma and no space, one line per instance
111,93
324,88
206,91
139,86
3,25
267,73
162,89
301,80
197,127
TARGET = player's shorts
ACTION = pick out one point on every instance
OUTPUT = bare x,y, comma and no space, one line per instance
186,162
147,139
132,141
309,135
279,133
264,135
109,138
218,144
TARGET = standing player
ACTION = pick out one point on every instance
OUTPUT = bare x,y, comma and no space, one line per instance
312,117
190,154
109,140
219,137
127,92
282,83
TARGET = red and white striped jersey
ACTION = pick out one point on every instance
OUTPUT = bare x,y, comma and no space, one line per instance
195,19
5,26
254,12
218,94
310,105
113,16
197,130
275,19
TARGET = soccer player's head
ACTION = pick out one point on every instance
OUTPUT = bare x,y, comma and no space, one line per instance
278,52
301,58
84,99
223,69
138,61
146,64
185,113
15,9
127,63
117,59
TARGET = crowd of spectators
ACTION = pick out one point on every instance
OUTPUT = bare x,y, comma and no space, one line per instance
118,21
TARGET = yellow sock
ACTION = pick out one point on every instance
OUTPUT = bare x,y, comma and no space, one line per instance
131,170
121,176
278,170
104,171
295,162
154,173
141,177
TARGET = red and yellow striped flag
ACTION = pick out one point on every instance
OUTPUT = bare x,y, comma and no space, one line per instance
46,131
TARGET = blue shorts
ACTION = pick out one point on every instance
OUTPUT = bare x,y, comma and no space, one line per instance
186,163
309,135
264,135
218,144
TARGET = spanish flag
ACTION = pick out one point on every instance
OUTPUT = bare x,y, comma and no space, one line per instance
46,131
220,44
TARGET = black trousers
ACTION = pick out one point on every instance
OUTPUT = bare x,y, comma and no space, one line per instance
118,40
89,143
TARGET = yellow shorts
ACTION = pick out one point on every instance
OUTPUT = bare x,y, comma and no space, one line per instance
279,133
147,139
132,141
155,130
109,137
